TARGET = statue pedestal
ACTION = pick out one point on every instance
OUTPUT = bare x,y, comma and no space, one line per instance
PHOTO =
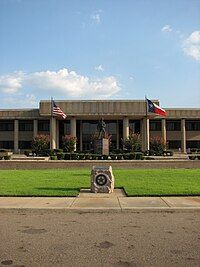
101,146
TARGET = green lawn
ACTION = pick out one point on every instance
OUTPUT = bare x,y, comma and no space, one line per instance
154,182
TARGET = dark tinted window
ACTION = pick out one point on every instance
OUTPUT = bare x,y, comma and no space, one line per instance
155,125
43,125
192,125
6,125
7,144
134,126
25,144
193,144
173,125
26,125
174,144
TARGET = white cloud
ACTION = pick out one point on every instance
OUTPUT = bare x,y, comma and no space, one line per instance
99,68
191,45
166,28
21,101
194,38
61,82
96,16
11,83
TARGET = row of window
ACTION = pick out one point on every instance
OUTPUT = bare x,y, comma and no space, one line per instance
176,144
10,144
175,125
90,126
25,125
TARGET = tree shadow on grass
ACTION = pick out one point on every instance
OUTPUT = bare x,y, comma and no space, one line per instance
64,189
80,174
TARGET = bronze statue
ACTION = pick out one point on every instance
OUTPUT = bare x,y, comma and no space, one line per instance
101,127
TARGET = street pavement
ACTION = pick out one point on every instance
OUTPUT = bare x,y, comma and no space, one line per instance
87,201
56,237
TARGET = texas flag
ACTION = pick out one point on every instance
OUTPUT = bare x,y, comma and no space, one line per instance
153,108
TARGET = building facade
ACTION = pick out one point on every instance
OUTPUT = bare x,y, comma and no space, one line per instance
180,129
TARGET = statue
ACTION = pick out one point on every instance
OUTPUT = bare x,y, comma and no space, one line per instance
101,142
101,127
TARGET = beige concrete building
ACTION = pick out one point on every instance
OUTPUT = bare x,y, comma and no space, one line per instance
180,129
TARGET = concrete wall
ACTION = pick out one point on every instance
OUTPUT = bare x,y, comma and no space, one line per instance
6,136
92,107
133,164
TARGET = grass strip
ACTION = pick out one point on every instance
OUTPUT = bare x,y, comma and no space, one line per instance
147,182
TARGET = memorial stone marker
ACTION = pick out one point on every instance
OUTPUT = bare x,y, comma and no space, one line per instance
102,180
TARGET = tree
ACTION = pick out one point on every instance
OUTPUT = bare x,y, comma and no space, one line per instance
132,143
157,145
40,143
69,143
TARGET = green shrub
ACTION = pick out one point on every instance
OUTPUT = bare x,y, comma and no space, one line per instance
192,157
113,157
167,153
40,144
7,157
1,157
74,156
157,146
95,156
53,157
69,143
105,157
88,156
126,156
198,157
139,156
120,156
60,156
67,156
57,150
27,153
132,143
81,156
131,156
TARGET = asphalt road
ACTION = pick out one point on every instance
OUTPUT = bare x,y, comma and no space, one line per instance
57,238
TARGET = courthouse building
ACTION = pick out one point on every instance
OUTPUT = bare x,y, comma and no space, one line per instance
180,128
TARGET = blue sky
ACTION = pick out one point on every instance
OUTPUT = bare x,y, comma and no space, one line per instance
106,49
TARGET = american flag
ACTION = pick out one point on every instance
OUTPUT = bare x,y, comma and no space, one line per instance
56,111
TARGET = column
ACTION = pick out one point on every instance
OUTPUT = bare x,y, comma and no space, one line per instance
183,136
164,133
57,134
53,133
145,134
16,136
125,128
35,128
81,136
117,135
73,128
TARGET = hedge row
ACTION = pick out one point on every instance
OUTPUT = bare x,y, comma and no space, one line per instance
194,157
5,157
81,156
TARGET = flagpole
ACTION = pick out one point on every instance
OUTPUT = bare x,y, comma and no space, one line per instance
146,127
146,105
51,107
51,124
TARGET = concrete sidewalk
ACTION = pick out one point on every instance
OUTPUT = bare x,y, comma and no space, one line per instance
87,201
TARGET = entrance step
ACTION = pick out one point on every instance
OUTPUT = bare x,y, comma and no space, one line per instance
86,193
